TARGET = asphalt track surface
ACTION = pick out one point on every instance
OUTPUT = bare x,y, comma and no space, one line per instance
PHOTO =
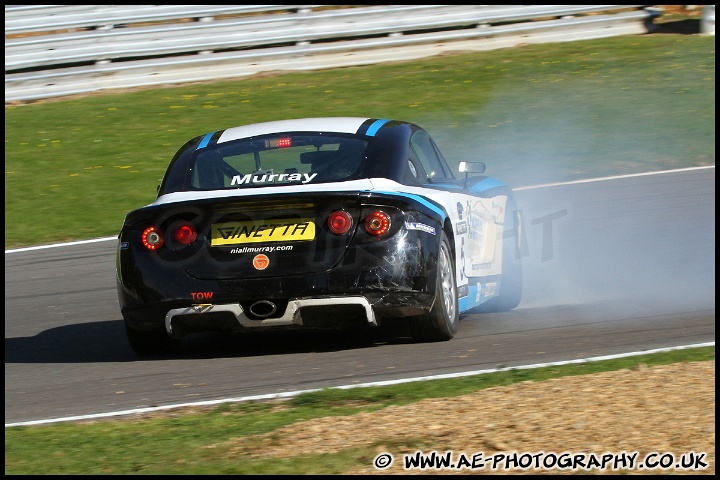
614,266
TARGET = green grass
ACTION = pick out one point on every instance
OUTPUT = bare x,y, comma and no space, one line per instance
202,442
538,113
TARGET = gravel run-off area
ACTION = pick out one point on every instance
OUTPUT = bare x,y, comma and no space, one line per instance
668,409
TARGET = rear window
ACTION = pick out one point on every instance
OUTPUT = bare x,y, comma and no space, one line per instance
271,160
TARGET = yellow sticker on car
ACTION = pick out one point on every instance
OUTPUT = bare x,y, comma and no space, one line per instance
236,233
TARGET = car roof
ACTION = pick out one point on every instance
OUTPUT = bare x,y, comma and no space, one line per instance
320,124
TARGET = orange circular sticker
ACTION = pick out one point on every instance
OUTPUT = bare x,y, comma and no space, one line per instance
261,261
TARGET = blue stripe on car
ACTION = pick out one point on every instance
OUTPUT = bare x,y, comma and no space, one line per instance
486,184
372,129
421,200
206,139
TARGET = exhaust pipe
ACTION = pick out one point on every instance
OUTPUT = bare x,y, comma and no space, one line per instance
263,308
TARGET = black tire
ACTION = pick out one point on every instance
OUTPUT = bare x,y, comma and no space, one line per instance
441,323
510,286
151,343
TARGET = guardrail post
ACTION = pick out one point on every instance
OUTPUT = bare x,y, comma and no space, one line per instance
707,24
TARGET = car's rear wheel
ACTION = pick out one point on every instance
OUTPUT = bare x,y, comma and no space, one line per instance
151,343
441,323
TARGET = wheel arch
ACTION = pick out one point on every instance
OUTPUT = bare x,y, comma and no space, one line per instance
450,233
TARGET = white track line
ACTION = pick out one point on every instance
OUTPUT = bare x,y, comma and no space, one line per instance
616,177
80,242
272,396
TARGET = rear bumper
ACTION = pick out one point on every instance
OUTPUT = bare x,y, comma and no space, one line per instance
291,316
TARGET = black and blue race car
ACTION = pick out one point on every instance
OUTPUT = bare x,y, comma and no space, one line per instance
316,223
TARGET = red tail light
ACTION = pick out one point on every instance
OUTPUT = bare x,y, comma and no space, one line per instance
339,222
377,223
152,238
185,234
283,142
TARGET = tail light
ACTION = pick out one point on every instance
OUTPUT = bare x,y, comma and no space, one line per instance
152,238
339,222
377,223
185,234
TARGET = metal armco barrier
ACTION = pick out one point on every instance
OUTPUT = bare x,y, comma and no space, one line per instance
58,50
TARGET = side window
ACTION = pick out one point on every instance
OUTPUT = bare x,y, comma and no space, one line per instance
427,155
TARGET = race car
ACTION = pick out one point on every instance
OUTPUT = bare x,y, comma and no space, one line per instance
316,223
